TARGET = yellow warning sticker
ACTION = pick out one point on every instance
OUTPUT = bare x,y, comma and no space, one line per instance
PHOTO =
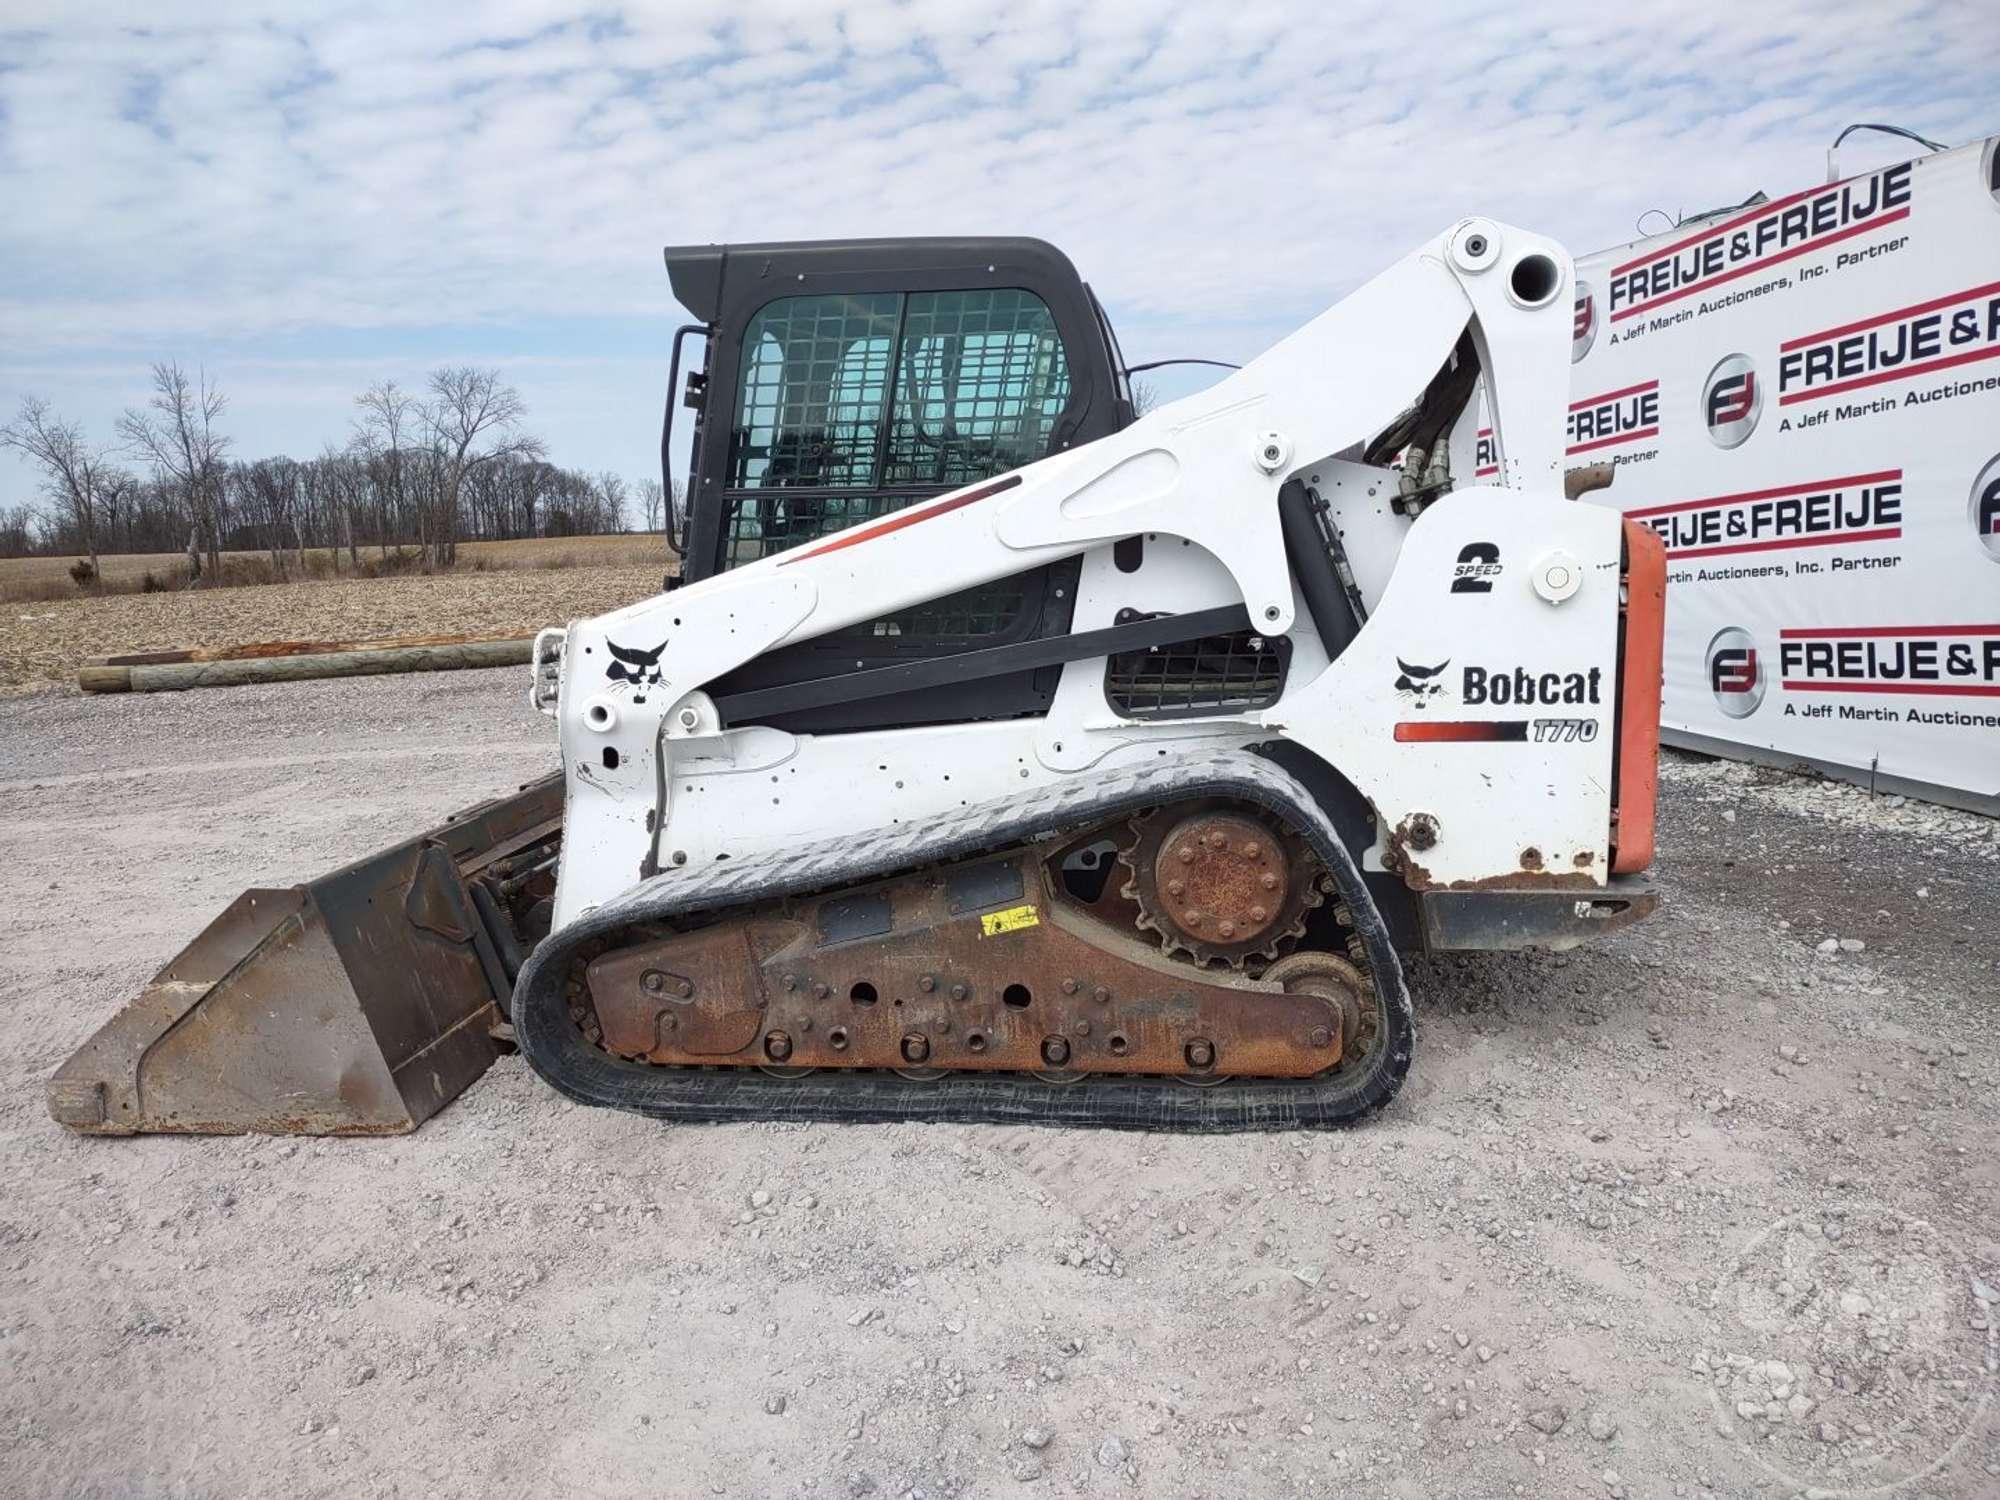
1013,919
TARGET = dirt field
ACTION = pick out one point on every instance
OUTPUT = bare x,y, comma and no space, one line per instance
578,551
532,584
1701,1210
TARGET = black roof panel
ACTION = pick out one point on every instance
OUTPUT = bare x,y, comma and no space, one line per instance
699,271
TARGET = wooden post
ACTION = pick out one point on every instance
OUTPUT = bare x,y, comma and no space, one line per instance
294,661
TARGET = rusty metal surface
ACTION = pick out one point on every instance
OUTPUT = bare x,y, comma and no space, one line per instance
1221,885
691,998
1031,985
358,1004
1419,832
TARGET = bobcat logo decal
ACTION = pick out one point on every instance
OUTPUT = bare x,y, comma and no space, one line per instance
640,668
1418,682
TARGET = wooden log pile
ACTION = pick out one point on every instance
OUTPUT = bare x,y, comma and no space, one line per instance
293,661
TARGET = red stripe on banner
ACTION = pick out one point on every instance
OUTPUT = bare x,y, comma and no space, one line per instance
1630,390
1907,372
1859,632
1887,534
899,520
1770,494
1889,317
1760,211
1489,469
1623,437
1758,265
1940,689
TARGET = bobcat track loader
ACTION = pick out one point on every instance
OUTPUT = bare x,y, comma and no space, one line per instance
1000,755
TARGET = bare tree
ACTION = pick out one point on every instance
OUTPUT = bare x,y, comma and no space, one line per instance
1145,396
389,484
652,500
16,530
612,487
472,419
118,492
338,486
177,437
269,493
75,475
382,435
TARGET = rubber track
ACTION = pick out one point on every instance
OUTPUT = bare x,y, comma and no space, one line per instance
556,1050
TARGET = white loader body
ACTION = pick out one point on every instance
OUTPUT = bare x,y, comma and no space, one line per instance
1478,722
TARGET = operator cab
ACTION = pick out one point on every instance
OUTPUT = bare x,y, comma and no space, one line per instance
846,379
843,380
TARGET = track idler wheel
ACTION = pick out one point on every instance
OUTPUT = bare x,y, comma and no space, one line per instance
1333,979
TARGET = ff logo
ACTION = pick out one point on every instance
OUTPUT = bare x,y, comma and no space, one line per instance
1731,401
1985,507
1734,674
1583,331
1478,566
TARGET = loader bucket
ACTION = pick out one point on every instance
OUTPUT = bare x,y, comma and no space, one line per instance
359,1004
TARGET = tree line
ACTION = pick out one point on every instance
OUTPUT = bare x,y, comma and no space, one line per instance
424,469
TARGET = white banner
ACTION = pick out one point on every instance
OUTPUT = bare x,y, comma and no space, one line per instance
1802,398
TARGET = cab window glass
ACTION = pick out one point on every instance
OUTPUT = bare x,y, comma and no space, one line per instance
881,391
815,386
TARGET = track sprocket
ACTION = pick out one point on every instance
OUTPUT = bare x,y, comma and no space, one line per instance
1219,883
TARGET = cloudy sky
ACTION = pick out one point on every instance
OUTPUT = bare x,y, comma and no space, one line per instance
305,204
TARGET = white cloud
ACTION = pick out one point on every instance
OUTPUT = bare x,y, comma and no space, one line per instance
209,185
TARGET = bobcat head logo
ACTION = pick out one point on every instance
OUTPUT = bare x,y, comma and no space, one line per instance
640,668
1417,682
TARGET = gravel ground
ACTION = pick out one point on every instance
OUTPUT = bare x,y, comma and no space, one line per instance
45,642
1702,1209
